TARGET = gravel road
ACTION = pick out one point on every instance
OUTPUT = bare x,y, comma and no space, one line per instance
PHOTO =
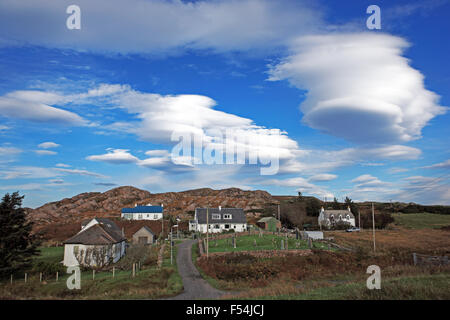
195,287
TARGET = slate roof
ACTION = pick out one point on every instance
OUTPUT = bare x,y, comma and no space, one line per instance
147,229
237,215
98,234
143,209
108,223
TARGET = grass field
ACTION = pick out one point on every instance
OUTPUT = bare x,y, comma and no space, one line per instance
418,287
150,282
266,242
421,220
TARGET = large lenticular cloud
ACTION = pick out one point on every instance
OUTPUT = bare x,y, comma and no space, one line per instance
360,87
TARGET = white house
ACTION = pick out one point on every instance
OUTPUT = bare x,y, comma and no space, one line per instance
147,212
327,218
98,243
219,220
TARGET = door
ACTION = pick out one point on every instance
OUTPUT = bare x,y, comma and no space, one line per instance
143,240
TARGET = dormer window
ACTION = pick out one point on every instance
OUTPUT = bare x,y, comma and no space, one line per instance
348,217
340,217
227,216
216,216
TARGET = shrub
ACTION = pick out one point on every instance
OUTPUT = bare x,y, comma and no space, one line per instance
48,268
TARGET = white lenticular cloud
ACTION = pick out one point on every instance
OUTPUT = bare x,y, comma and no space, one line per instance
360,87
156,26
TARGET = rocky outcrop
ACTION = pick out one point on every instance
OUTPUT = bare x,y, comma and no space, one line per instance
110,203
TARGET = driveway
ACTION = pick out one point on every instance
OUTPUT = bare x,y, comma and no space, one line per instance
195,287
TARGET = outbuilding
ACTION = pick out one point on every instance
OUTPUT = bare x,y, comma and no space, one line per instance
144,236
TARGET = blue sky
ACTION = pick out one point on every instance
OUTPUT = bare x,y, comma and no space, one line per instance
342,110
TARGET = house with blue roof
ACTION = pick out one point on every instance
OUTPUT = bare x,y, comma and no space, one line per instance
147,212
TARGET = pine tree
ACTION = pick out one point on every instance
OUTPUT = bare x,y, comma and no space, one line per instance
17,245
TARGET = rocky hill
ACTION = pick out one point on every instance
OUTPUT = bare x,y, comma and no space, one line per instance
109,203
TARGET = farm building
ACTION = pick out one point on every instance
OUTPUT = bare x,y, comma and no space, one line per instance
144,236
98,243
219,220
327,218
147,212
269,224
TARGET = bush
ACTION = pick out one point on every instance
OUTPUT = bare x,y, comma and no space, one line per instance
48,268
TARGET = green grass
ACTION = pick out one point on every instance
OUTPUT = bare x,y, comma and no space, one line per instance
420,287
50,254
150,282
266,242
421,220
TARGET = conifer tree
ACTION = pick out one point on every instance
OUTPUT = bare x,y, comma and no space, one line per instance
17,245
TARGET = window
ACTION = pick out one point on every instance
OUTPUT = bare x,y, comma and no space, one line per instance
340,217
216,226
148,215
348,217
140,216
227,216
216,216
227,226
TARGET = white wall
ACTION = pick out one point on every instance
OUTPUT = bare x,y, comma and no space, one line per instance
238,227
142,216
117,251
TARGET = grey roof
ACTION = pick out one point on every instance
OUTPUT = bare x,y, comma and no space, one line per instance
108,223
98,234
145,228
237,215
336,213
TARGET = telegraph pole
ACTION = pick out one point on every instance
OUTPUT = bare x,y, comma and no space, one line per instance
373,227
359,220
207,232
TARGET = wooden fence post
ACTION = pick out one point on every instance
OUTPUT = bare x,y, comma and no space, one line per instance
134,269
93,274
415,258
40,276
57,275
114,270
11,278
26,277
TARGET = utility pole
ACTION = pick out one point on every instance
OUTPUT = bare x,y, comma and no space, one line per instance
207,232
359,220
373,227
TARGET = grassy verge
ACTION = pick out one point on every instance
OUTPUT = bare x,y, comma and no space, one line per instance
421,220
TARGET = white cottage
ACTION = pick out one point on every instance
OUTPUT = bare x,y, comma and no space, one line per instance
147,212
219,220
327,218
98,243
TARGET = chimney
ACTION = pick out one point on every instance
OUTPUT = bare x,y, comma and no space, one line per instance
220,208
135,205
162,205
